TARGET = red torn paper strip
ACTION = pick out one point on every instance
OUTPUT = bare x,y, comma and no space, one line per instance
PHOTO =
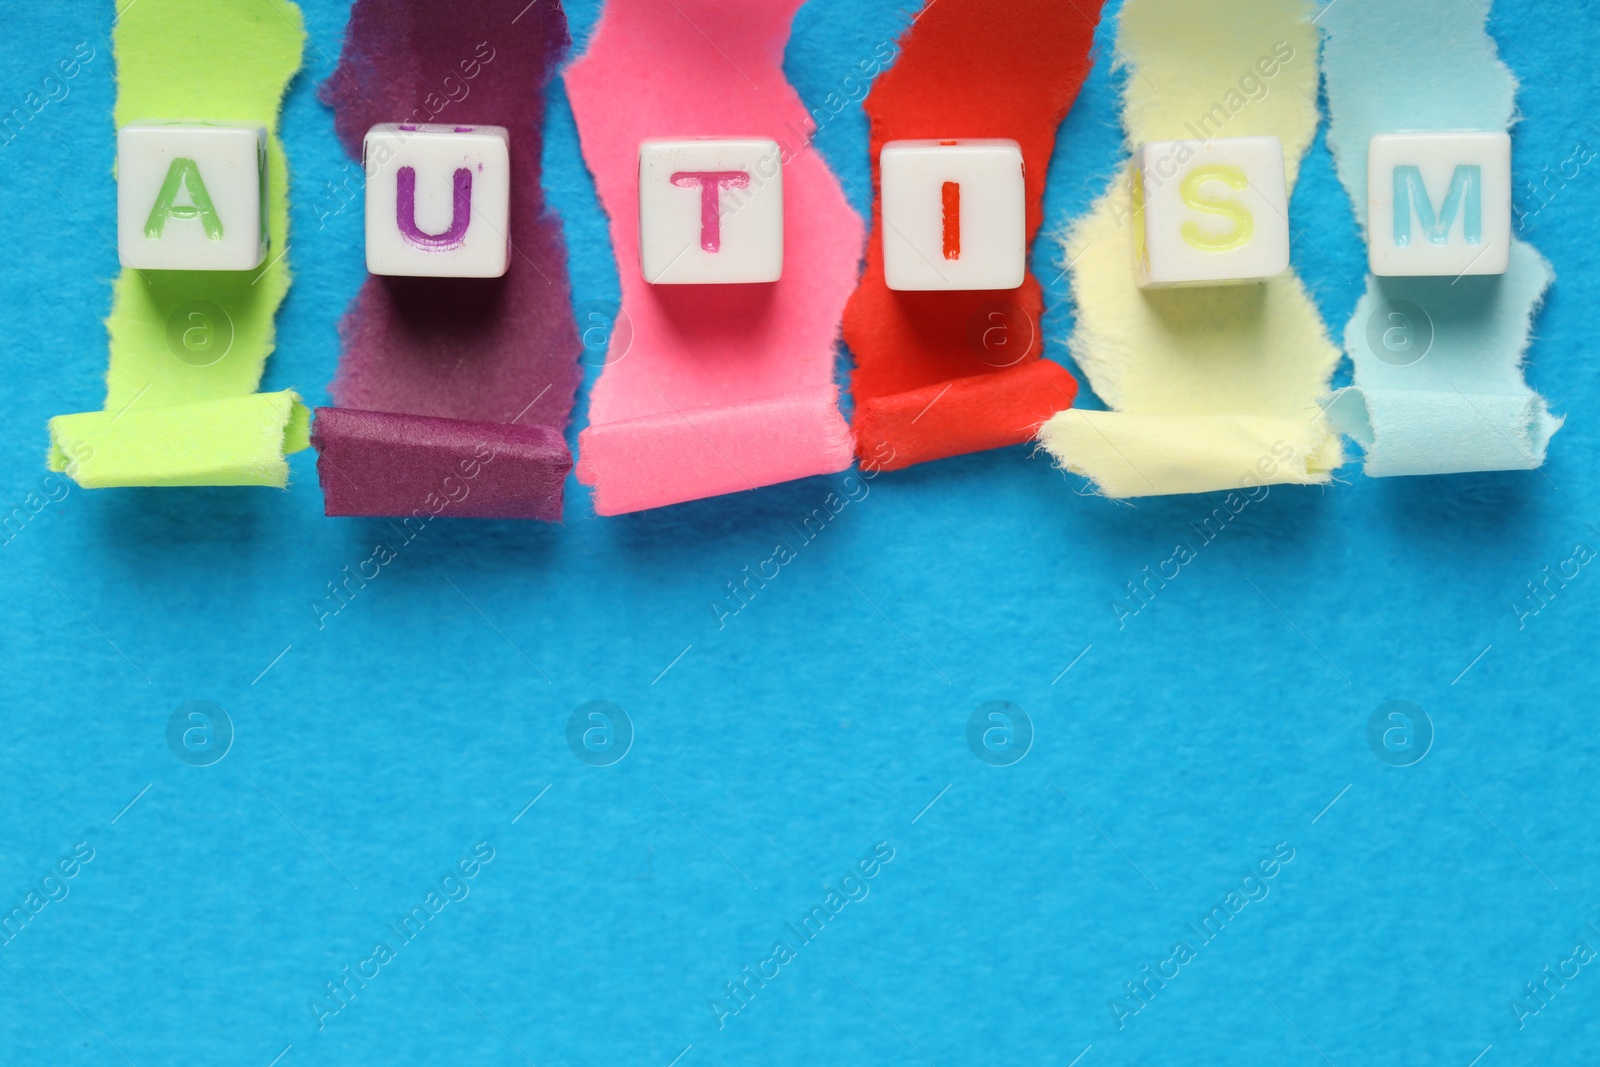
718,388
945,373
437,369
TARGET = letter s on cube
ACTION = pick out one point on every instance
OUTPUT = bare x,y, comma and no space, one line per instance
1209,212
1439,204
191,196
955,215
438,200
710,211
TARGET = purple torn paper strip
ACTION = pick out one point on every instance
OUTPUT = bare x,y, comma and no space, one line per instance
480,357
371,462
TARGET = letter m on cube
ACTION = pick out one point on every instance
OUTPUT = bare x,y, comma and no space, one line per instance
1439,204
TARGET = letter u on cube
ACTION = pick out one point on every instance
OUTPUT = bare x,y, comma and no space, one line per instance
438,200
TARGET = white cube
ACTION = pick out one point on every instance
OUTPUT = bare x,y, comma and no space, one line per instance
955,215
191,196
438,200
710,211
1439,204
1209,212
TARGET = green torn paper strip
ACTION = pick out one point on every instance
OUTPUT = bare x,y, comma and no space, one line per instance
188,347
1212,388
236,441
1438,386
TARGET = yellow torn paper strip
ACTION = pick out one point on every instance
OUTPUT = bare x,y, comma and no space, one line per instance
1212,388
188,347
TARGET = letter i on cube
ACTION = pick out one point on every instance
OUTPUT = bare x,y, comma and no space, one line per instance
955,215
710,211
1439,204
438,200
1209,212
191,196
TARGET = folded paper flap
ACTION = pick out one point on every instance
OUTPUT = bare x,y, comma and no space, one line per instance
425,432
380,463
1130,454
685,455
1410,432
972,414
756,427
238,440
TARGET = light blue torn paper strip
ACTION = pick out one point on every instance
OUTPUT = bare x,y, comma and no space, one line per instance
1438,385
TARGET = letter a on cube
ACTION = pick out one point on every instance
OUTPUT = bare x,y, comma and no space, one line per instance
1209,212
191,196
438,200
710,211
955,215
1439,204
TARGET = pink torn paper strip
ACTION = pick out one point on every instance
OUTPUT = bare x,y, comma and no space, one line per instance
720,388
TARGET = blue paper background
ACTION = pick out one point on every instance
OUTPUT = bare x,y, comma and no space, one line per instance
821,719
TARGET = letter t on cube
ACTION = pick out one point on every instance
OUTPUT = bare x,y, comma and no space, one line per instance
710,211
